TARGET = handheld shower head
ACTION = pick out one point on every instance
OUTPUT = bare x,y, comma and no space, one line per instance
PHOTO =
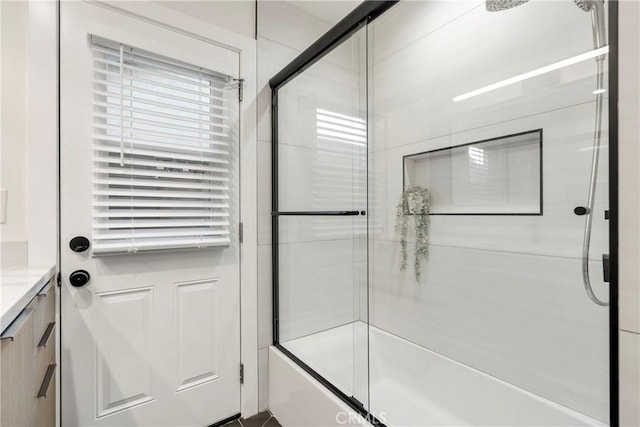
584,5
596,7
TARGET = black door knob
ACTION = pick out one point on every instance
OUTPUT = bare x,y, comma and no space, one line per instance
79,244
79,278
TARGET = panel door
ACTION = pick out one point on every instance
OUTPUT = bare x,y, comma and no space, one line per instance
154,337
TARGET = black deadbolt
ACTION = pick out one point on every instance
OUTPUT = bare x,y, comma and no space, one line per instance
79,244
79,278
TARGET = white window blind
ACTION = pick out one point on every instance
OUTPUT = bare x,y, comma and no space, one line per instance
161,152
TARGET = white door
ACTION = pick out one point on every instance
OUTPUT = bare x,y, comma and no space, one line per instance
153,338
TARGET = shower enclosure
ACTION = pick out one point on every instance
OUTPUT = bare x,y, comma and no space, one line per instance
492,120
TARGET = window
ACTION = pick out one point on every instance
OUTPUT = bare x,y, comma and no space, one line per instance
161,152
499,176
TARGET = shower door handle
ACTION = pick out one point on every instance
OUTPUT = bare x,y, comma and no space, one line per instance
605,268
318,213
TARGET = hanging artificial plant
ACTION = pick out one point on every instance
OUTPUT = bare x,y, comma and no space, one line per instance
414,202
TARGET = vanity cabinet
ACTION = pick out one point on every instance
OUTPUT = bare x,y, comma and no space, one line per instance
28,364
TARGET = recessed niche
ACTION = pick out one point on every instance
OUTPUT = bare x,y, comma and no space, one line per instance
498,176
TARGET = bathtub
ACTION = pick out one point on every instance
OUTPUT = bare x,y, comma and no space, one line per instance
409,385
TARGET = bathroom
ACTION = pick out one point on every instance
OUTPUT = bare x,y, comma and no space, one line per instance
314,213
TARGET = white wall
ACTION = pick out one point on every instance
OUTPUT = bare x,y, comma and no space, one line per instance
41,190
237,16
502,294
29,131
629,220
13,233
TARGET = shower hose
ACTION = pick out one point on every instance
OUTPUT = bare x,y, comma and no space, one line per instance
592,185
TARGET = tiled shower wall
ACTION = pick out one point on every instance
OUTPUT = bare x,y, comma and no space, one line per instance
502,294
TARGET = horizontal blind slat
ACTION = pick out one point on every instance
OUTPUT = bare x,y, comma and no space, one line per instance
204,148
142,224
173,88
138,101
127,182
160,124
162,154
164,163
124,203
160,194
203,117
139,90
156,63
158,244
116,170
112,213
161,233
140,133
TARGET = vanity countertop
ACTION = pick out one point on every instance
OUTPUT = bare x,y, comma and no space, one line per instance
18,286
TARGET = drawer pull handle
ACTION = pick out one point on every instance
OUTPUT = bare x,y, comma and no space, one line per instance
45,289
47,334
47,380
13,329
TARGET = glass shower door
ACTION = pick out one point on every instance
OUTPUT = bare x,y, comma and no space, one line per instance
482,119
320,219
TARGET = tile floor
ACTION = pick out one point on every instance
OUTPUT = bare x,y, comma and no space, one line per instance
263,419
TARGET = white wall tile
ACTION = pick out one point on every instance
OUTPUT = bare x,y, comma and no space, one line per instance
288,25
629,165
323,86
629,379
329,177
264,193
283,23
410,21
524,319
501,294
413,90
272,57
317,287
566,135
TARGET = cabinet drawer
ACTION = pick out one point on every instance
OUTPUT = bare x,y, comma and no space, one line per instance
45,309
44,337
43,357
16,373
44,411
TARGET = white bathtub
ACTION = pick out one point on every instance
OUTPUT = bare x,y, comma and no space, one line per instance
413,386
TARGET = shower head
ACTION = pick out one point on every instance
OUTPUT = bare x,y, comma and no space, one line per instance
499,5
585,5
596,7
